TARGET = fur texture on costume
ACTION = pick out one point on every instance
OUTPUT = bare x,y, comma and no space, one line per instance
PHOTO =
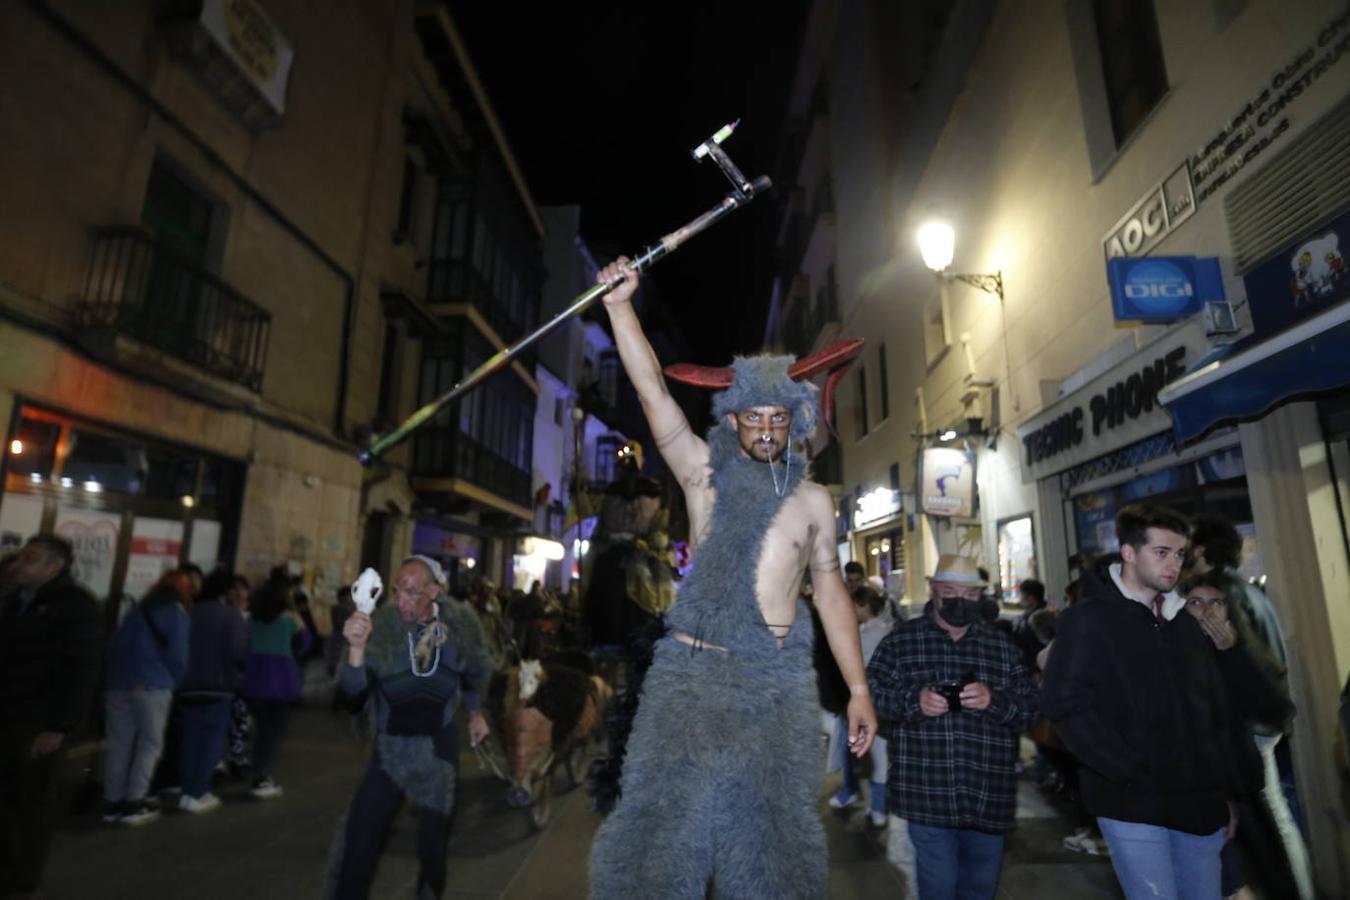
721,770
411,761
763,381
724,566
387,650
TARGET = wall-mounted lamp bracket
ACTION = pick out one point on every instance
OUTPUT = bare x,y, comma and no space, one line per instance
990,284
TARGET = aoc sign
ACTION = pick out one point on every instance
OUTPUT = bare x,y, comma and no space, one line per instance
1162,288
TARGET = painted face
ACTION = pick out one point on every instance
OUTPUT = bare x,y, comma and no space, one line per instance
1202,599
1157,563
763,431
414,592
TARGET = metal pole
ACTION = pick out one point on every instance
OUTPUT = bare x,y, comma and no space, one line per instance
666,245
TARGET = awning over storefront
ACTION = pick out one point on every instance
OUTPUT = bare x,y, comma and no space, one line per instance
1250,380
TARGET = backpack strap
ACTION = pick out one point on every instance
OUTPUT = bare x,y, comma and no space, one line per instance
154,629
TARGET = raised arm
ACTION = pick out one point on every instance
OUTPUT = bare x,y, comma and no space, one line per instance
684,451
840,620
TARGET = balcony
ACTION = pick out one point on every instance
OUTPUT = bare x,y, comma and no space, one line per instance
445,452
141,290
459,281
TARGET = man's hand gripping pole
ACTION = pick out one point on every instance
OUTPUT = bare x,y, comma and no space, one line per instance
743,192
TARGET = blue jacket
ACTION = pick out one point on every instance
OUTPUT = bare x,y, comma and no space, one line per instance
135,657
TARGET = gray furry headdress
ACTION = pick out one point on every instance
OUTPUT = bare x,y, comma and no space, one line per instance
775,381
764,381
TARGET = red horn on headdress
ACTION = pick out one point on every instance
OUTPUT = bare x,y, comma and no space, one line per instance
701,376
834,359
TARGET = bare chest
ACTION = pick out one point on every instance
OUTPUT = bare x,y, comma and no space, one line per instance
784,553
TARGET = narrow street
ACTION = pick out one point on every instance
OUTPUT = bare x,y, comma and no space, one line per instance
261,850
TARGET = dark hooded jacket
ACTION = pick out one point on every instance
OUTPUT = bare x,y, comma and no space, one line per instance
1158,717
50,659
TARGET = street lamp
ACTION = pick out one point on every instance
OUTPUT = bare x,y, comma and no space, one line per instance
937,244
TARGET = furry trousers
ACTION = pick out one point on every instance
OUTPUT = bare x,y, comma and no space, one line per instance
720,782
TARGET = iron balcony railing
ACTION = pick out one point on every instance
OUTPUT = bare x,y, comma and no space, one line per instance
443,451
144,290
460,281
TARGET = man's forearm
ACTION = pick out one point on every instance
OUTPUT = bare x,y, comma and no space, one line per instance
639,360
841,630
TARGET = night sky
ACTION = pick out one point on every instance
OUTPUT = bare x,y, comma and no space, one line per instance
602,103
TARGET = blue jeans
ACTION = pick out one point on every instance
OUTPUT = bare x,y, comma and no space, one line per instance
1162,863
135,728
955,863
204,727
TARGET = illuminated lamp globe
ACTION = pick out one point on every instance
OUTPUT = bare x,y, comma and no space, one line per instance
937,243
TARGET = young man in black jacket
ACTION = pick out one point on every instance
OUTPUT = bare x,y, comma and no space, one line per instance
50,656
1148,702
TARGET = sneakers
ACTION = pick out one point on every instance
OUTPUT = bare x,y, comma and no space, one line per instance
877,819
1082,841
196,805
843,803
140,812
265,789
113,812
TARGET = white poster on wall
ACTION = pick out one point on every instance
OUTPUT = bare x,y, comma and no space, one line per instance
156,545
93,536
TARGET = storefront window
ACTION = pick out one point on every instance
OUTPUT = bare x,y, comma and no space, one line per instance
1212,485
1016,556
885,554
131,507
93,535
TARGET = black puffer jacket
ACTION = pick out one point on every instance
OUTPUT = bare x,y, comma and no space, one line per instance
1158,717
51,657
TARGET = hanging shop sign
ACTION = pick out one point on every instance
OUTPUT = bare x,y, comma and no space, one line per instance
875,506
1162,288
1117,408
1302,280
1262,120
947,482
256,46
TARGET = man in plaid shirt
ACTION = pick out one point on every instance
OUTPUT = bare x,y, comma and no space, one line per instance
955,694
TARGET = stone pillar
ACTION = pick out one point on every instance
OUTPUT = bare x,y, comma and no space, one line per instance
1052,539
1293,497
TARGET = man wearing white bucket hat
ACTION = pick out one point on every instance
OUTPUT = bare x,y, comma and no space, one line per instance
955,694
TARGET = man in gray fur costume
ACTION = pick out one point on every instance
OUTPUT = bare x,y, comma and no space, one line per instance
414,659
722,769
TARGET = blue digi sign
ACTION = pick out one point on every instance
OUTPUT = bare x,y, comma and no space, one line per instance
1162,288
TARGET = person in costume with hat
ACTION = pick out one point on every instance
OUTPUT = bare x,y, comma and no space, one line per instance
721,773
415,660
955,694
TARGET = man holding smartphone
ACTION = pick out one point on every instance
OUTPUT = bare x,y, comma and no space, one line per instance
955,694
